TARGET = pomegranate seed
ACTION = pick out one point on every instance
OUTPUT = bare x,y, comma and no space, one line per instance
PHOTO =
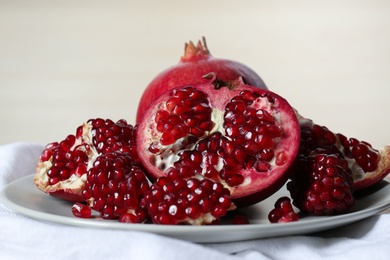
128,218
81,210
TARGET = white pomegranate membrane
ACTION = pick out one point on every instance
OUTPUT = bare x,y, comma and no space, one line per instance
243,137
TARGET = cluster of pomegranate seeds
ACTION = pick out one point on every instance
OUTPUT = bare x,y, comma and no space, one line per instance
66,159
363,153
187,111
215,157
251,128
173,200
115,186
283,211
323,185
110,136
316,136
69,158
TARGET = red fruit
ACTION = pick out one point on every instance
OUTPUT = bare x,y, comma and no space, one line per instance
196,62
193,201
62,166
236,134
115,186
283,211
322,185
367,164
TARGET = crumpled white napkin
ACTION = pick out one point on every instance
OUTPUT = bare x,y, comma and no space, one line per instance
25,238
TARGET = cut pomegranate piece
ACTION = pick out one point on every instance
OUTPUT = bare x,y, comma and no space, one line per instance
173,200
322,185
62,166
196,62
229,132
115,186
367,164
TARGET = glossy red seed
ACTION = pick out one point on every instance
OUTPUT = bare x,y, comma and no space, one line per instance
128,218
81,210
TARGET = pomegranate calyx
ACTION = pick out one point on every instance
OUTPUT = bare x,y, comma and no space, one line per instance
198,52
219,83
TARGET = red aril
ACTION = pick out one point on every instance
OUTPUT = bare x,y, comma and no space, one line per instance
62,166
196,62
229,132
81,210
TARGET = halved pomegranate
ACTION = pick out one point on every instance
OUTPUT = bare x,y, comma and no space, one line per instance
62,166
367,164
229,132
196,62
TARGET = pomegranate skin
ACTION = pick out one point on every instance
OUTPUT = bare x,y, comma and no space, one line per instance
248,178
196,63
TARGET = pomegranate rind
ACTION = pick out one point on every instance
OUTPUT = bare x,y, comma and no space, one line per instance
365,180
71,188
196,62
257,186
68,190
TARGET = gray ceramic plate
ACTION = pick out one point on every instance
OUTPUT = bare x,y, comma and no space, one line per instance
22,196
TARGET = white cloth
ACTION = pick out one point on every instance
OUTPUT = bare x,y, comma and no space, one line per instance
25,238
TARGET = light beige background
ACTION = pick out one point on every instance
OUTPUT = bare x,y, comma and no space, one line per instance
63,62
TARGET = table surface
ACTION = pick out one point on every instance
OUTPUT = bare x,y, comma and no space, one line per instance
62,63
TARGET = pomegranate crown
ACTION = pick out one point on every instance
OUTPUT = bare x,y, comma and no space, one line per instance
192,52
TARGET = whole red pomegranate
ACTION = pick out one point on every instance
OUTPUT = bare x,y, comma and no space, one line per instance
229,132
62,167
196,62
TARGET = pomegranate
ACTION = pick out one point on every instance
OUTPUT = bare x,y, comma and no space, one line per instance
62,166
196,62
115,186
241,136
173,200
323,185
367,164
283,211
